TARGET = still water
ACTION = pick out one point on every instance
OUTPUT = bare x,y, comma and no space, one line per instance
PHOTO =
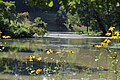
85,57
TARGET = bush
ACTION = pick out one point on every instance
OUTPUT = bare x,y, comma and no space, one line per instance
17,25
39,26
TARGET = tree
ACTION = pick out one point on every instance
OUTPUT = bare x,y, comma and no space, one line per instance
7,13
101,13
16,24
105,12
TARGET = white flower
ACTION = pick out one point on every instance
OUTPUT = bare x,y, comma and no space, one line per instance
96,59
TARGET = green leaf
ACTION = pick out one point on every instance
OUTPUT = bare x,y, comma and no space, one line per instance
99,56
63,7
92,0
78,2
50,4
100,6
73,3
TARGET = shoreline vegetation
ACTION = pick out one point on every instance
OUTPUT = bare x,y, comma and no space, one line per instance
29,23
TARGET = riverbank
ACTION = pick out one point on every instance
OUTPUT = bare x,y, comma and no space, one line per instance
69,35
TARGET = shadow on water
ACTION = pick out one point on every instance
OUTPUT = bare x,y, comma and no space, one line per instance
14,66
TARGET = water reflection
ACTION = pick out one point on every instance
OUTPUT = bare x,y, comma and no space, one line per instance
83,66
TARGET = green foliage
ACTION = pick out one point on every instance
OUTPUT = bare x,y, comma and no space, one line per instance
17,24
22,27
7,11
71,4
41,3
73,19
39,26
50,4
97,14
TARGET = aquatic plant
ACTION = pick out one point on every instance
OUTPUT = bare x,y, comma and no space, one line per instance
52,65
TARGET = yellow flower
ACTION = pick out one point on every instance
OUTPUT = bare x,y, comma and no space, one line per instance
108,34
31,57
111,28
107,41
114,37
119,37
114,56
103,44
98,46
37,71
71,52
5,37
117,34
58,52
49,51
39,58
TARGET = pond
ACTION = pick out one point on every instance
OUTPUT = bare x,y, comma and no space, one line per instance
83,65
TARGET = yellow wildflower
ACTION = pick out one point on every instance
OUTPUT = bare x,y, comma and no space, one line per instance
108,34
106,44
98,46
111,28
37,71
58,52
5,37
31,57
71,52
39,58
49,51
107,41
103,44
114,37
116,33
